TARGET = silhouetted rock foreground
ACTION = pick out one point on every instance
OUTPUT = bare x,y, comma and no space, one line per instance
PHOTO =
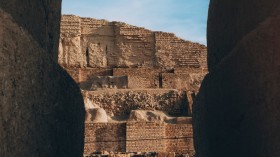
237,110
42,111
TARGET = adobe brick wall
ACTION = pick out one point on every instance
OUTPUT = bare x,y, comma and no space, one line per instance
103,82
69,42
88,73
139,77
74,73
83,75
138,137
105,136
179,138
134,46
179,78
172,51
88,42
184,79
145,137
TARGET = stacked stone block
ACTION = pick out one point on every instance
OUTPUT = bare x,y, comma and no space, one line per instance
179,138
105,136
145,137
139,137
139,77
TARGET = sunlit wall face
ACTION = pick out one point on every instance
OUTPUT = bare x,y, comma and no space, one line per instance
186,18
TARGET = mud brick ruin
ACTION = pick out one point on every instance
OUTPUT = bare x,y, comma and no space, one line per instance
136,90
138,85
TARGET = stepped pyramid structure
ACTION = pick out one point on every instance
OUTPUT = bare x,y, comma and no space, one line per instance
138,85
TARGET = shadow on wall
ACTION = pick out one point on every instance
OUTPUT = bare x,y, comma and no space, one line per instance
42,110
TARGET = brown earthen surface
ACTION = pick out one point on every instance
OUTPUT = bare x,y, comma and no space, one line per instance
41,108
237,110
120,103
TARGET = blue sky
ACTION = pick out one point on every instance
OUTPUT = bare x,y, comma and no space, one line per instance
186,18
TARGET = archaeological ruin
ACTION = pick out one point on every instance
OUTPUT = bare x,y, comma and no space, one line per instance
112,87
138,85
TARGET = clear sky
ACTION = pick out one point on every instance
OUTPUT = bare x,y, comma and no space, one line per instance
186,18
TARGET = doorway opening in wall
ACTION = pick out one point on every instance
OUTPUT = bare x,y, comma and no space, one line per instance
148,56
87,57
160,80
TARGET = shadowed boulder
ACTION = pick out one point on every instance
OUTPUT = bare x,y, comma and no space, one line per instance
41,108
237,110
